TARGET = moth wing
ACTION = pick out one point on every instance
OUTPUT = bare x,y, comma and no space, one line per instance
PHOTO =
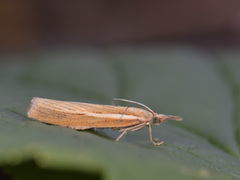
82,115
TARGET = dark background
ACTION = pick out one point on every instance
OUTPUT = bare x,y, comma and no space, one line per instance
26,25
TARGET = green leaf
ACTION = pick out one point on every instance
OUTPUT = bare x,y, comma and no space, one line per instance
176,80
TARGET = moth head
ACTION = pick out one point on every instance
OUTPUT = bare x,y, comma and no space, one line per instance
161,118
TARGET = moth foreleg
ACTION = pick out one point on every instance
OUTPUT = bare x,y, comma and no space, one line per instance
151,137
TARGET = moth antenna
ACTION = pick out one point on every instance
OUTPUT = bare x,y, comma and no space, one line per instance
134,102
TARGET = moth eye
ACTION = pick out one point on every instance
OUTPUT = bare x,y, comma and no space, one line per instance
155,120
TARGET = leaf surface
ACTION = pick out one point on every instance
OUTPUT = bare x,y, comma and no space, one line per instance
170,80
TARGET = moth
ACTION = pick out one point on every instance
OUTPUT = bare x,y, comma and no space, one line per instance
83,116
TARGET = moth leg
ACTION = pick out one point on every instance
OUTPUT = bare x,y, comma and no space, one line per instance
123,111
123,114
121,135
152,139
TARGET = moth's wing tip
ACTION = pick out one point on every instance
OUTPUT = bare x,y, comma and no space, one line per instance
32,105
